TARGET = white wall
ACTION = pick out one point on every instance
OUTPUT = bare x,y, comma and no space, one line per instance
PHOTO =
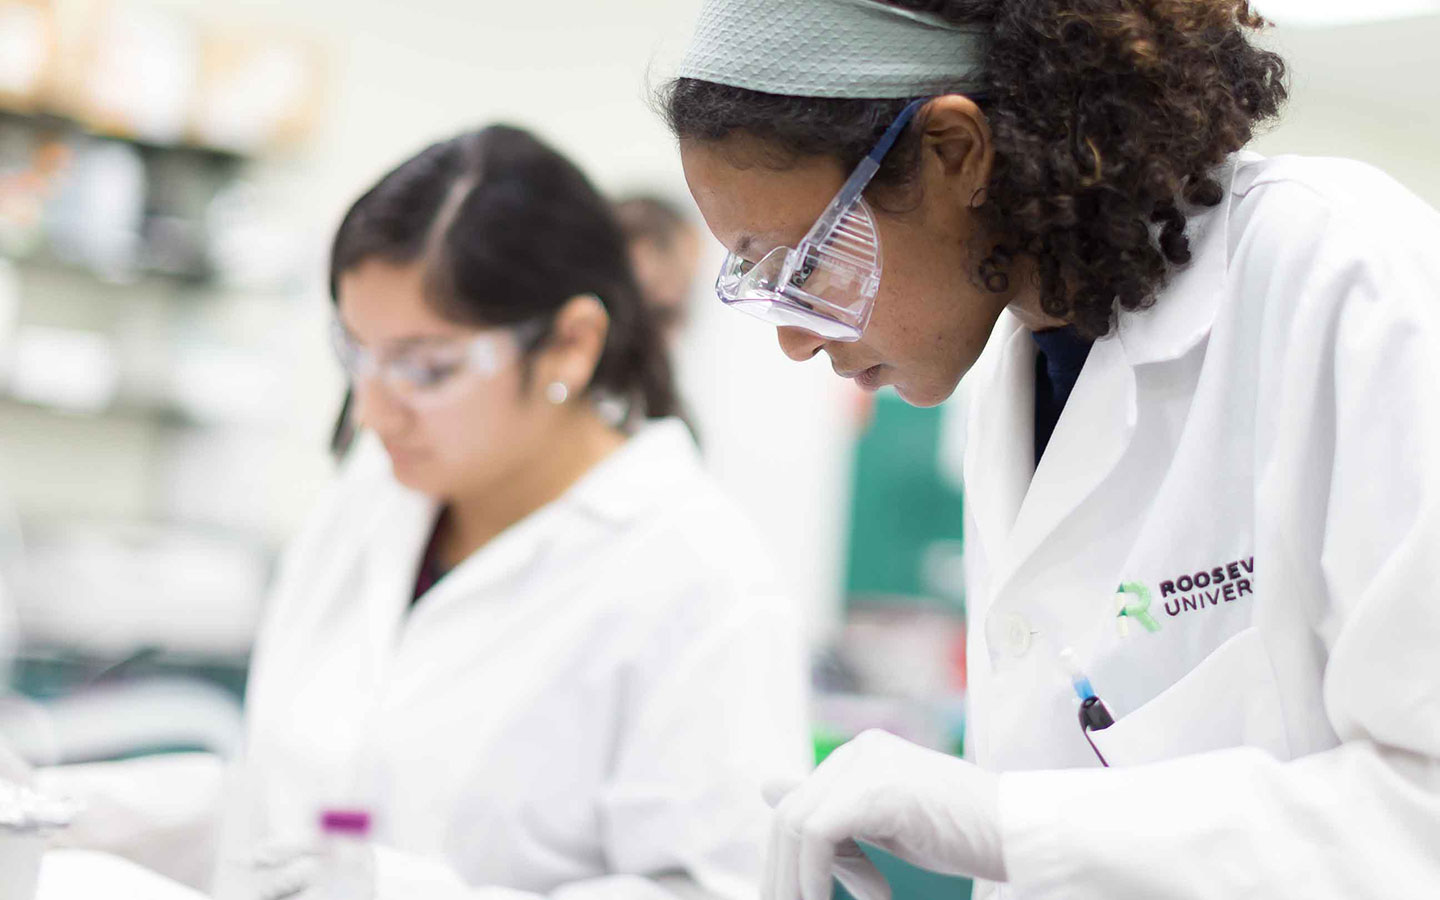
1366,92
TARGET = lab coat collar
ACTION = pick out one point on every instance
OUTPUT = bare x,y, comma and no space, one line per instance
1016,504
394,553
645,471
1185,311
1085,449
656,460
998,472
648,469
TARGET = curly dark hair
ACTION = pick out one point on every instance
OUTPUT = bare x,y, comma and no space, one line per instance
1109,118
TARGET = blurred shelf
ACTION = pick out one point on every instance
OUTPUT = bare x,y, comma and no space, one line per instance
62,124
154,412
188,282
50,670
150,412
170,185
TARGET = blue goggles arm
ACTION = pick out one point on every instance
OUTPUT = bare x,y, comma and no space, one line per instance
892,134
859,179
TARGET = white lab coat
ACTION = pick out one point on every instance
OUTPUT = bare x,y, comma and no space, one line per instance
1260,451
585,708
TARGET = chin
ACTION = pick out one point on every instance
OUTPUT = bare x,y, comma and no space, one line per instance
922,397
414,475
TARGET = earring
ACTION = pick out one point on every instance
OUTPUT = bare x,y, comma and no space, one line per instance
978,198
557,393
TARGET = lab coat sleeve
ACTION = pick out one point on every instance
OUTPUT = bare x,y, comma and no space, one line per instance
717,709
161,812
1358,366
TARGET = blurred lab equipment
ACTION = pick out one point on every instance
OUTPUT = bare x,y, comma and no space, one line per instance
347,863
155,810
148,296
337,864
94,217
897,661
111,588
27,820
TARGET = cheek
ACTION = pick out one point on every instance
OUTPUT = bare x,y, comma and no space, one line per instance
915,289
931,318
470,436
926,265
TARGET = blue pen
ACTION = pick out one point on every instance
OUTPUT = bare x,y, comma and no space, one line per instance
1094,716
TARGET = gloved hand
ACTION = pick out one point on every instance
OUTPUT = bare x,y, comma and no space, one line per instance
281,870
934,811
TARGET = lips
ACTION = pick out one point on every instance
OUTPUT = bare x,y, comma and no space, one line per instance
869,379
866,378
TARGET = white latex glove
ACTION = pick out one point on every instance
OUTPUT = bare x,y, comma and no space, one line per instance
931,810
282,870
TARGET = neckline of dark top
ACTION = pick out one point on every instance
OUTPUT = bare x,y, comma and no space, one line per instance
1060,357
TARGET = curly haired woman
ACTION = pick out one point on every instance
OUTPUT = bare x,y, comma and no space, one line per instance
1207,378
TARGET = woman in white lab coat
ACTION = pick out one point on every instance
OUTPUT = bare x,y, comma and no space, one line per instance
547,656
1203,473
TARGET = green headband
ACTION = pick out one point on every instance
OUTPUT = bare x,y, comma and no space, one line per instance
833,48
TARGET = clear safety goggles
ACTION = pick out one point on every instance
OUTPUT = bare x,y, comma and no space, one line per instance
827,284
430,373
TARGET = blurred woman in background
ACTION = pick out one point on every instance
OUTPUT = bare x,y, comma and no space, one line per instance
665,254
545,655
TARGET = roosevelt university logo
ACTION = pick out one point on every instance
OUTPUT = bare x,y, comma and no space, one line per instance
1190,592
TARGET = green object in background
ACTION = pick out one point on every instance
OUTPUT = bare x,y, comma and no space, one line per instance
910,883
826,743
44,675
902,505
902,508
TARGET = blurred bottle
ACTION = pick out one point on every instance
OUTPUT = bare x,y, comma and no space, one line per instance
95,216
347,863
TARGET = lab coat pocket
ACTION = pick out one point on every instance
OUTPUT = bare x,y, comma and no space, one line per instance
1230,699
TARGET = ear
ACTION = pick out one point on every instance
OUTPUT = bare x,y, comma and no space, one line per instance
577,340
958,150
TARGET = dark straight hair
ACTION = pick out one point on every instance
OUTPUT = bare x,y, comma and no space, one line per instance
508,230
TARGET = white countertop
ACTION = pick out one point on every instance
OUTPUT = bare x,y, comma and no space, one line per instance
85,875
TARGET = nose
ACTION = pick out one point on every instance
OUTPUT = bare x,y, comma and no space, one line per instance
799,344
376,407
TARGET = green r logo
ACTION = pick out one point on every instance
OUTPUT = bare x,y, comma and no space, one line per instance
1133,602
